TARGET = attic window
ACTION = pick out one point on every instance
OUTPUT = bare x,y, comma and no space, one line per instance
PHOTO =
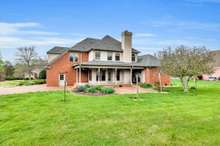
73,57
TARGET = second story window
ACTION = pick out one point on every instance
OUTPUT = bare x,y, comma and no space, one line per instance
97,55
109,56
117,56
133,57
73,57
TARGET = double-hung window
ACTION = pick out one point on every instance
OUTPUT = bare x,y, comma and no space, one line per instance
133,57
109,56
117,56
73,57
97,55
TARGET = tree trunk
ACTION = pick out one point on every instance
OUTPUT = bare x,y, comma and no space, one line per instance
195,82
185,84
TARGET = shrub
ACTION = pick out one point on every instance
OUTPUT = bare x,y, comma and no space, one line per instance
87,86
43,74
157,85
92,89
36,82
145,85
81,88
107,90
13,78
31,82
98,87
193,88
21,83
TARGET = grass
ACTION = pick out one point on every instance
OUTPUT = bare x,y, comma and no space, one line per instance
12,83
155,119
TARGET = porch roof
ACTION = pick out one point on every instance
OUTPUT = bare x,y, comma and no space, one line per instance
109,64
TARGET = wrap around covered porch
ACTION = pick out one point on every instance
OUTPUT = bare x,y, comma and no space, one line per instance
109,75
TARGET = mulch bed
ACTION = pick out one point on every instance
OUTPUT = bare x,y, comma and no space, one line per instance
92,94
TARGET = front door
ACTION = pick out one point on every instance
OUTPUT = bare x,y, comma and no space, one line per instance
62,79
136,77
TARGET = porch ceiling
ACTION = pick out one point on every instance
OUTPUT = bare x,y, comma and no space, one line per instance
110,67
108,64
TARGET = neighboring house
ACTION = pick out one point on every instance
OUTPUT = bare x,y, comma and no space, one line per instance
38,67
102,61
34,73
216,74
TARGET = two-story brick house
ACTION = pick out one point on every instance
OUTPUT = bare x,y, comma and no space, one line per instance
102,61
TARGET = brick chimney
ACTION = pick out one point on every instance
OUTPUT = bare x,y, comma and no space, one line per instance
126,45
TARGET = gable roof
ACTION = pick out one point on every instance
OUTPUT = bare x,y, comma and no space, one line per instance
107,43
57,50
216,57
148,60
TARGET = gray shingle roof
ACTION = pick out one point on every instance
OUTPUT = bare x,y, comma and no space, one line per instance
148,60
57,50
107,43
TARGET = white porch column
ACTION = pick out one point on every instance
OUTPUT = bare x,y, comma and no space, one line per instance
99,76
106,75
80,72
115,76
131,75
77,79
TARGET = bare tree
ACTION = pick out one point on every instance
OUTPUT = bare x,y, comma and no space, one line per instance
185,63
1,64
27,56
1,68
8,69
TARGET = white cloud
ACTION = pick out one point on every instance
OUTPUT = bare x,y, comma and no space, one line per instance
10,28
14,35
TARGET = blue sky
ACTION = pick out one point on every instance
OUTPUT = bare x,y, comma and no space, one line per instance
155,24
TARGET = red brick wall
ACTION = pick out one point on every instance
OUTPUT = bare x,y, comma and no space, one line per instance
63,65
152,76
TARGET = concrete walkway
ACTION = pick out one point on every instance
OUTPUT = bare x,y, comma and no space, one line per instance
133,90
27,89
41,88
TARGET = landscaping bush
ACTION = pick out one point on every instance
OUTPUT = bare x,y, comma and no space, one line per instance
157,86
13,78
36,82
43,74
98,87
193,88
145,85
92,89
31,82
107,90
87,86
81,88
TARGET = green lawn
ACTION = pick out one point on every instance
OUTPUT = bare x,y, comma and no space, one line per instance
171,119
20,83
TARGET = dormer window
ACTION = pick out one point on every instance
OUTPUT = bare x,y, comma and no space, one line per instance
133,57
73,57
117,56
97,55
109,56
